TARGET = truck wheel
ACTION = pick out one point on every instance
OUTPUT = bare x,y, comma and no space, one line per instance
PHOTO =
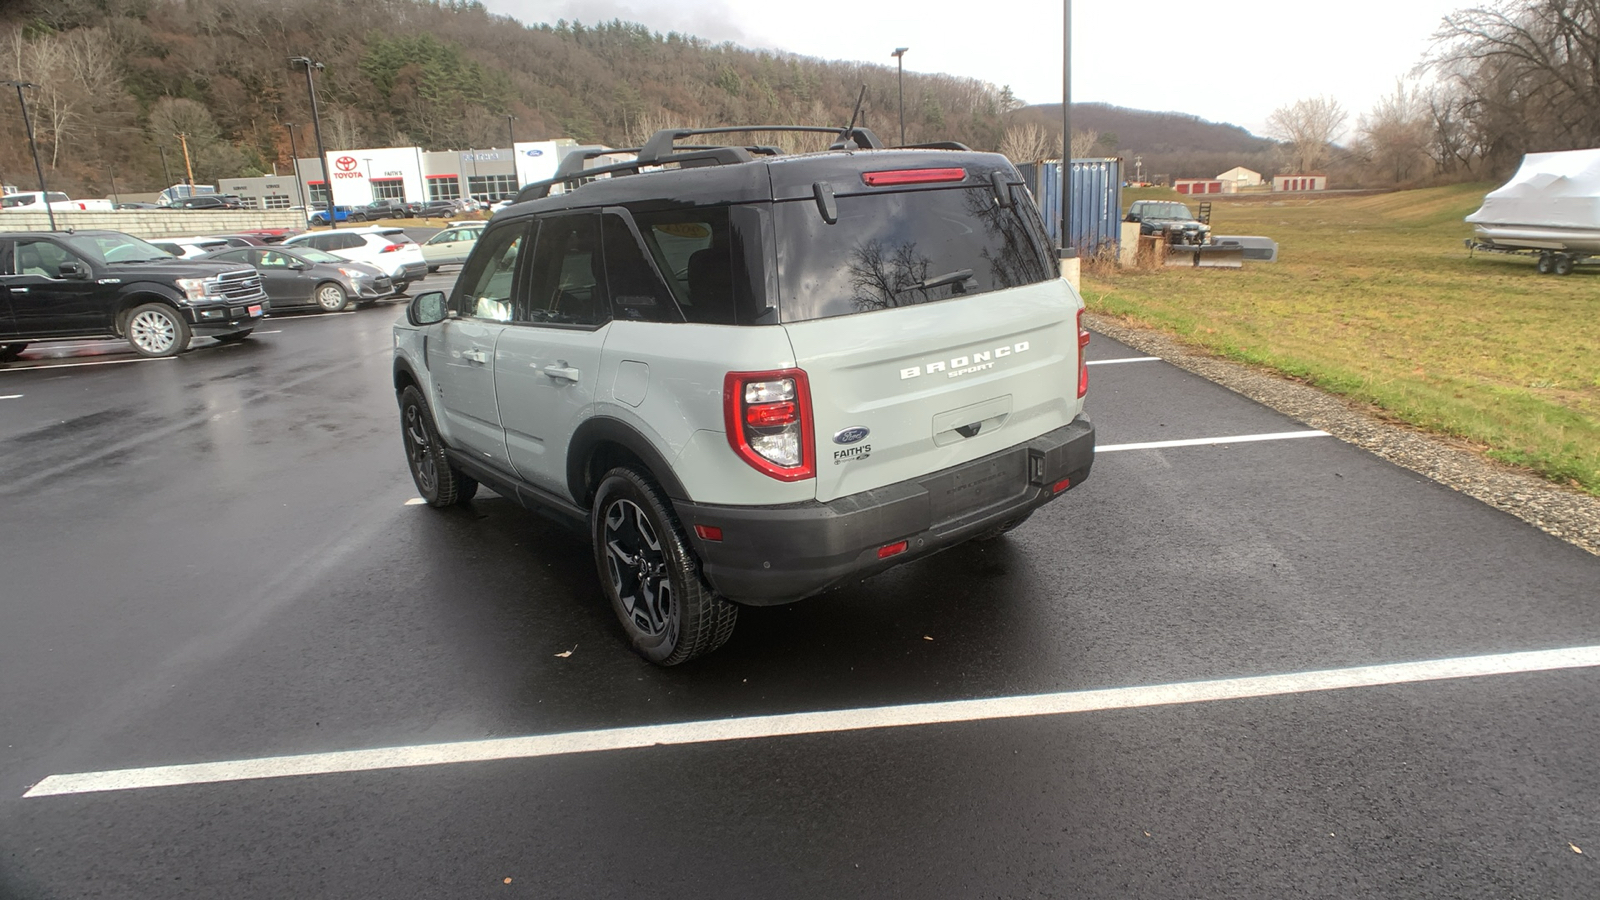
10,352
1547,264
157,330
439,483
1563,265
651,575
331,297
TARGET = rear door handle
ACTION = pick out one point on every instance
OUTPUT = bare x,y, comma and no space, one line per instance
476,356
563,372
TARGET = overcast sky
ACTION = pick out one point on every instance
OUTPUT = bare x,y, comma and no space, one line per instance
1224,61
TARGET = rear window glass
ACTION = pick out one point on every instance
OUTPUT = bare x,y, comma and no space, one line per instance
902,249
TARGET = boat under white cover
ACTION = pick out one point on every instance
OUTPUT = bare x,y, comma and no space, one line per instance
1552,203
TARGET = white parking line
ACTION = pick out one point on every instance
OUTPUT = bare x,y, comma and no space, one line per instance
104,362
270,332
1111,362
1206,442
10,396
759,727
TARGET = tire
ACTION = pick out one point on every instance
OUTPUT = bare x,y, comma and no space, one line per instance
432,269
1547,264
437,481
234,338
10,352
999,530
156,330
400,286
639,550
330,297
1563,265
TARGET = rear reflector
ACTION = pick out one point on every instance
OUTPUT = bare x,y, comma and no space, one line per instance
894,549
708,532
1083,363
1061,485
913,176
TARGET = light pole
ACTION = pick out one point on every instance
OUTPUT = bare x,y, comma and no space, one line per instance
165,169
511,135
473,152
44,192
316,126
299,183
372,189
1069,250
899,55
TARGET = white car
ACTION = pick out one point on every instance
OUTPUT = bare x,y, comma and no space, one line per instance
387,248
452,245
190,247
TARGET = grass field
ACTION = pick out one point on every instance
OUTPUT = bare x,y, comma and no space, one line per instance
1375,298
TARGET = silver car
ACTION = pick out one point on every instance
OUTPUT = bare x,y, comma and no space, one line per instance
451,246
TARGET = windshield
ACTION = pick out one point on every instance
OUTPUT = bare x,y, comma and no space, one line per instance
1166,211
902,249
115,248
313,255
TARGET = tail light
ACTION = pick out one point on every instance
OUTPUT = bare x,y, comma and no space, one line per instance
768,417
392,248
1083,362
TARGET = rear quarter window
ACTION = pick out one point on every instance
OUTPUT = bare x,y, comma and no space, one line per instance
905,248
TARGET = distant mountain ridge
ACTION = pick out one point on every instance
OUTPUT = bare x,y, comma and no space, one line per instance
1171,143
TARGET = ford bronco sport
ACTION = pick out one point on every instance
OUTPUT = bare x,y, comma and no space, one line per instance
753,376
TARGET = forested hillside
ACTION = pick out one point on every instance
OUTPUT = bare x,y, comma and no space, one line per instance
119,79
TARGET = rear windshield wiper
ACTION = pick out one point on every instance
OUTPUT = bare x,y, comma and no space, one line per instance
955,277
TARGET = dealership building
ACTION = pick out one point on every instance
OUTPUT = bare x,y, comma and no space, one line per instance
404,173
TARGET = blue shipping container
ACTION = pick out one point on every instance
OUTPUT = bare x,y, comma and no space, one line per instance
1096,202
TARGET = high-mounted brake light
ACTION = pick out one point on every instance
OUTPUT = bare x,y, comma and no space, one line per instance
913,176
1083,362
768,419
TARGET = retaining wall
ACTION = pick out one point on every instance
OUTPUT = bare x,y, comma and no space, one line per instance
154,223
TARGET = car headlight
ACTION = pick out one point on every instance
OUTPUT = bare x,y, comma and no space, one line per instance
354,273
193,288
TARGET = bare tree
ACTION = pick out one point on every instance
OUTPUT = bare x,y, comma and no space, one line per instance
1025,143
1084,143
1527,74
1395,134
1308,127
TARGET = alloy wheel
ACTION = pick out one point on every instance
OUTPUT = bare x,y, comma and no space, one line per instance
638,568
419,450
152,332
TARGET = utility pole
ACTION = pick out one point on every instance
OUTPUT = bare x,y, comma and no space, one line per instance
165,169
300,183
188,166
44,192
899,55
113,171
316,126
1068,249
511,135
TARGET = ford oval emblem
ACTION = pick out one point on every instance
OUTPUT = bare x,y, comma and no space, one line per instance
851,435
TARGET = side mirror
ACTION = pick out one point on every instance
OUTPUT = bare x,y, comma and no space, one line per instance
298,266
427,309
72,270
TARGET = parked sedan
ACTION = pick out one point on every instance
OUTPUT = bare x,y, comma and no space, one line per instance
451,246
308,278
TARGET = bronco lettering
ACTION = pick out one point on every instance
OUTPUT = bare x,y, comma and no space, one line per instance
963,365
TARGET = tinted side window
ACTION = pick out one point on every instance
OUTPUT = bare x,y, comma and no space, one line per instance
488,282
43,258
5,259
695,251
901,249
567,283
636,291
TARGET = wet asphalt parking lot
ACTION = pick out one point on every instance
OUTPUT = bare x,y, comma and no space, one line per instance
212,560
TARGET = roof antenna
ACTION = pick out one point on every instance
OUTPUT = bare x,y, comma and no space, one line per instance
852,126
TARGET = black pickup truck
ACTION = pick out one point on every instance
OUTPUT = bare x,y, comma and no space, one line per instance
61,285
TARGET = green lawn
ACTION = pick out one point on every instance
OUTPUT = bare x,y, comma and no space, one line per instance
1375,297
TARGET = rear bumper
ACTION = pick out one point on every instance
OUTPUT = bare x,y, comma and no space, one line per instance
778,554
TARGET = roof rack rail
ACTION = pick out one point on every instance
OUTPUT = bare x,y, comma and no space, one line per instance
661,143
662,149
934,145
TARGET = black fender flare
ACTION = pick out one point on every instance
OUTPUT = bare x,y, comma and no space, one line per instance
603,429
403,372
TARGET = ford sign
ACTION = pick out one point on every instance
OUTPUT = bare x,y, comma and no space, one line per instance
851,435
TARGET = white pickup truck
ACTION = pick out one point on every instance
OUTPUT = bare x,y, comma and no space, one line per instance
32,201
